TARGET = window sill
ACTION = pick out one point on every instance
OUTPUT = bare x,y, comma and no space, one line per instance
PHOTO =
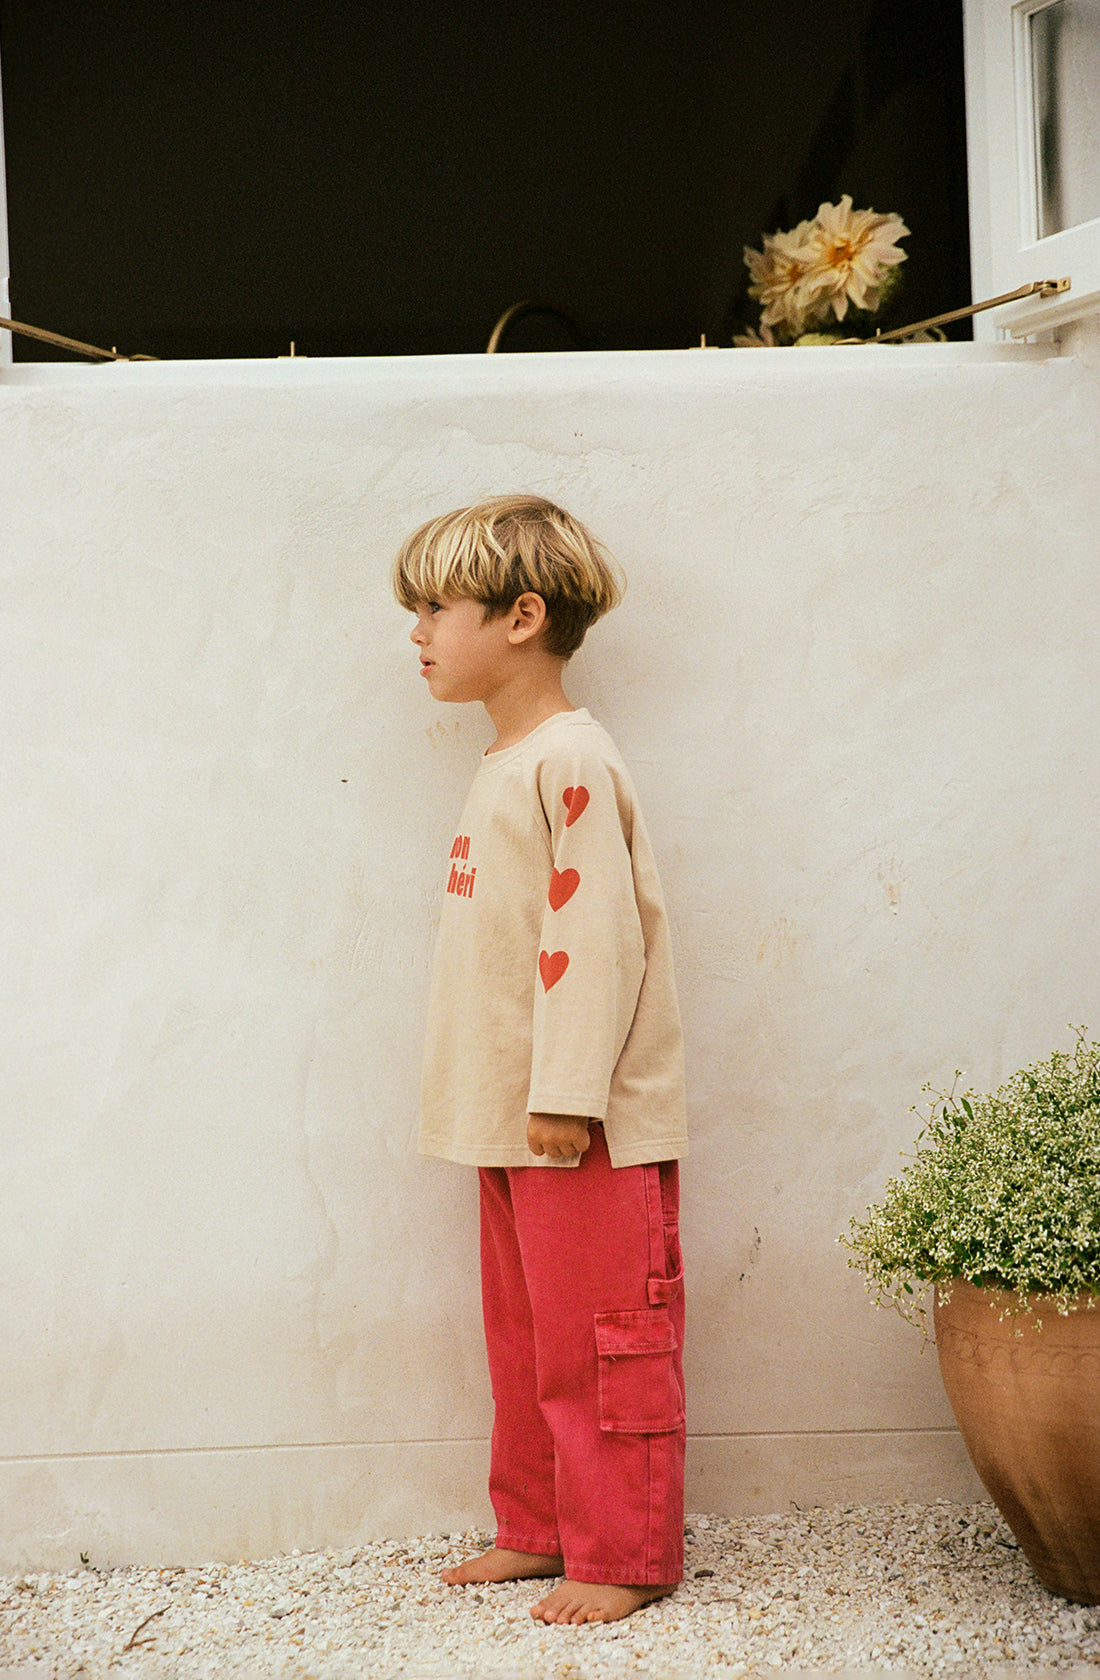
550,370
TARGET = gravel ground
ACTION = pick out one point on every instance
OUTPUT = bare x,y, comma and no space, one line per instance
927,1589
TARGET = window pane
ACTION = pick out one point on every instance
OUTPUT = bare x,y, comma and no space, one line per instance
1065,61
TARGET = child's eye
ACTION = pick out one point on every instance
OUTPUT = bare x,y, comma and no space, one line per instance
435,606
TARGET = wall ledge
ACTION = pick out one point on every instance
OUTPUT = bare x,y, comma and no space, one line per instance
475,375
186,1508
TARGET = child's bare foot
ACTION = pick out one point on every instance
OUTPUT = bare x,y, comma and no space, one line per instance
594,1601
497,1564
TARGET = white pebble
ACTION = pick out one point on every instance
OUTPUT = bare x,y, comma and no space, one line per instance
919,1589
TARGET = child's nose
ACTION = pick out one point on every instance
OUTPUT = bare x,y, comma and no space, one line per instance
416,634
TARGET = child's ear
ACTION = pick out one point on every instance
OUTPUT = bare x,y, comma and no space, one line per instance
527,618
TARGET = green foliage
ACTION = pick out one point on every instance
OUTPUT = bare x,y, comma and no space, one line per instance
1004,1191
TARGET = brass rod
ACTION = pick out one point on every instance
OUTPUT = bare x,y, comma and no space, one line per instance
531,306
1045,288
69,343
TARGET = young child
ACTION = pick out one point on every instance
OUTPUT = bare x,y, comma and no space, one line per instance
554,1065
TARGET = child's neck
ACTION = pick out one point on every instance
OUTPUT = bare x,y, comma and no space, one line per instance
518,708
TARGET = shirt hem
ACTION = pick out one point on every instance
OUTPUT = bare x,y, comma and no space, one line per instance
645,1154
576,1108
637,1154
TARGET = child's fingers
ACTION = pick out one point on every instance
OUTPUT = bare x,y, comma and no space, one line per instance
557,1138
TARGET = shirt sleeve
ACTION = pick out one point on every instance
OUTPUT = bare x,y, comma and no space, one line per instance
591,956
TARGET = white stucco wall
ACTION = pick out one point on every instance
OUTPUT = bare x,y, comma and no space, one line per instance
855,674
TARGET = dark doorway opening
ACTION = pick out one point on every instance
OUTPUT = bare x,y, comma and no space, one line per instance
218,180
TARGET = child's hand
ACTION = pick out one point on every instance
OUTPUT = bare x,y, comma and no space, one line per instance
560,1136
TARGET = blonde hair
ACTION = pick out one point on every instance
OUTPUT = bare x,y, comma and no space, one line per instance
498,549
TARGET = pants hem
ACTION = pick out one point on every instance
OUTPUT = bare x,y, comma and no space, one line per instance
536,1545
595,1575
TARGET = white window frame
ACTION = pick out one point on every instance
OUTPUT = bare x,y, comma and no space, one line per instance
1004,250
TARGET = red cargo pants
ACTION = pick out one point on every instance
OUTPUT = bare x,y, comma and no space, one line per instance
582,1287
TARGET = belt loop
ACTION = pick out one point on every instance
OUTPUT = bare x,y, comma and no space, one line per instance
660,1288
655,1217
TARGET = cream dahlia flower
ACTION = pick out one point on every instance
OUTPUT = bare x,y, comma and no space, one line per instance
850,258
765,339
778,278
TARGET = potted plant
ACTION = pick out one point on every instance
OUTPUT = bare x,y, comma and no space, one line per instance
999,1210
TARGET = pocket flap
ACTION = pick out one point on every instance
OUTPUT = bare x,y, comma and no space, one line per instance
646,1330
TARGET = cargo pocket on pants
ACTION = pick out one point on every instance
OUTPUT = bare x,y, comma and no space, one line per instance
638,1391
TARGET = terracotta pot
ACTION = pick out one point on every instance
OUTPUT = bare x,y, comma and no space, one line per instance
1026,1397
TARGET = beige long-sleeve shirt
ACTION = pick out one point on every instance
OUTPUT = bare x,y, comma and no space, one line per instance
552,989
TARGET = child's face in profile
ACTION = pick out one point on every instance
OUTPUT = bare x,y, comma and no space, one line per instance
463,654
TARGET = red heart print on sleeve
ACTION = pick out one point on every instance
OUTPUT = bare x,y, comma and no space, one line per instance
552,965
575,799
562,887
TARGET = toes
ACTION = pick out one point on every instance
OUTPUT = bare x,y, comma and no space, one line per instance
550,1611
